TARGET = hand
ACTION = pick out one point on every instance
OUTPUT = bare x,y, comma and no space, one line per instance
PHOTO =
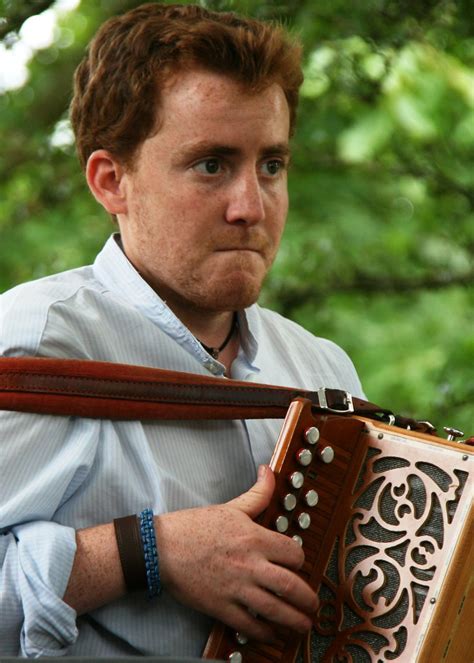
219,561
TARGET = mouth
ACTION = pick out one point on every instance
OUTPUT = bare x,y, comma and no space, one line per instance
240,249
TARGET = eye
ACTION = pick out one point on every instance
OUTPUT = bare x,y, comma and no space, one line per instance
210,166
273,166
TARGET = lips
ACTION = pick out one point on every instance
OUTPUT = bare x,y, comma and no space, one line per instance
255,246
240,248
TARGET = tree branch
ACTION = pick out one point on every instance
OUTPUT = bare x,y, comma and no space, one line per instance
291,298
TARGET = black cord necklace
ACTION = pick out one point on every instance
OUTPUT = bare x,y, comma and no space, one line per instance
214,352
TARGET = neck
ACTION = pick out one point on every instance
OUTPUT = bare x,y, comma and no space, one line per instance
211,329
229,353
225,349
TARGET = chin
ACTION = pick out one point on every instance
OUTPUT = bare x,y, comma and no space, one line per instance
235,295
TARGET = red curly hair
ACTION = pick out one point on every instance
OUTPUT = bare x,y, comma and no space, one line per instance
117,85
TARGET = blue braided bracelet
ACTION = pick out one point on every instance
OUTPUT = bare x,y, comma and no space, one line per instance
150,552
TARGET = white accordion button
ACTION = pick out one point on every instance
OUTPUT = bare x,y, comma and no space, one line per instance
296,479
235,657
289,501
312,435
311,498
304,520
241,638
304,457
327,454
281,523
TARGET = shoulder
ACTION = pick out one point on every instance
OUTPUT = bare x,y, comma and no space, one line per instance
27,309
311,360
288,332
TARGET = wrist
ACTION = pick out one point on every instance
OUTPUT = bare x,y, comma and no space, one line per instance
136,542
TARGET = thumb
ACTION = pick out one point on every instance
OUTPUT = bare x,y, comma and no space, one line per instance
256,500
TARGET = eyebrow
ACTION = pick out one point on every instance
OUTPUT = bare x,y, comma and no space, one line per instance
210,147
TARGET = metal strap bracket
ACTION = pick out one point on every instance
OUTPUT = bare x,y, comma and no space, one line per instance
344,405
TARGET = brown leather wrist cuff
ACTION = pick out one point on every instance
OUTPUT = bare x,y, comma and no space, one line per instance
129,543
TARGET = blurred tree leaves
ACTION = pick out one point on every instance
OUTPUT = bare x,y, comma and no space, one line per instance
13,13
378,251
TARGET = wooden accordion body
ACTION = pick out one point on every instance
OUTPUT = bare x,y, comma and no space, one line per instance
388,550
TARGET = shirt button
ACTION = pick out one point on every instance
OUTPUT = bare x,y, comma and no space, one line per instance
212,368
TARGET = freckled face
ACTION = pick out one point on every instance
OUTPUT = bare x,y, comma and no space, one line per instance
207,197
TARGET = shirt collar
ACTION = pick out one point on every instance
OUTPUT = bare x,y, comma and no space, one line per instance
113,269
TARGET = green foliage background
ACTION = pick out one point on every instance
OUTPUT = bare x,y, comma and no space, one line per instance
378,251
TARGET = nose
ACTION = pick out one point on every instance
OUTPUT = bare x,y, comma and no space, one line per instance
245,200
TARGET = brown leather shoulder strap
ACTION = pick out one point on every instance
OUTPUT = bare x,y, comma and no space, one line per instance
121,391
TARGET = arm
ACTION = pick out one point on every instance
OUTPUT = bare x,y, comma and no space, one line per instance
41,460
214,559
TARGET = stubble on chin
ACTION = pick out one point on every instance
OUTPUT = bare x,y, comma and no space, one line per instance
235,300
237,286
229,295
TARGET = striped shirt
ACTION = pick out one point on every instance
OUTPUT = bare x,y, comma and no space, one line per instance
58,474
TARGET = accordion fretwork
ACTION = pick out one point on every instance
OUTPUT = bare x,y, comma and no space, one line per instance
385,519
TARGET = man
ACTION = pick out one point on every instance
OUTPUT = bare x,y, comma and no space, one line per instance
182,119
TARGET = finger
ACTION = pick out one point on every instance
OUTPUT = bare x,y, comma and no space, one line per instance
276,611
256,500
248,624
291,589
282,550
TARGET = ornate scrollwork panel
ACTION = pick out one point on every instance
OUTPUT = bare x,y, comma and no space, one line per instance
387,559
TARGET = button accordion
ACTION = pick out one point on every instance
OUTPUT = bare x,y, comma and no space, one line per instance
385,519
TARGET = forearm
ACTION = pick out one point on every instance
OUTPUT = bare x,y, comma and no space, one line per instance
214,559
96,577
35,562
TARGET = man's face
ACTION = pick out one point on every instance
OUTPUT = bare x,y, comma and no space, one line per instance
207,196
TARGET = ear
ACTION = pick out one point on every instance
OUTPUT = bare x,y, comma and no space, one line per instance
105,177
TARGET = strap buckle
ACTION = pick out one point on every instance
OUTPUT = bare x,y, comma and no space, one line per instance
341,401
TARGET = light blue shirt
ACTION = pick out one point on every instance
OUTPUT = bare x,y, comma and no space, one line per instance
58,474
